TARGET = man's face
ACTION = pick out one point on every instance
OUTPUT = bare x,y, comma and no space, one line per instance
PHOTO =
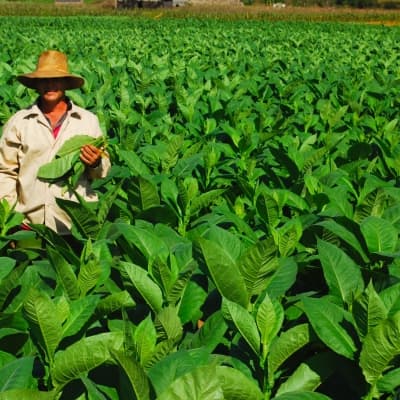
51,89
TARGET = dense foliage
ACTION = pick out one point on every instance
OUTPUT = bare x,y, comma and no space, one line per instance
246,241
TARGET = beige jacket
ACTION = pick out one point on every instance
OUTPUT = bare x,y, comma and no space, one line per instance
27,143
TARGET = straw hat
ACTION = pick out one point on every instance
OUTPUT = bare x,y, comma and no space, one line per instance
51,64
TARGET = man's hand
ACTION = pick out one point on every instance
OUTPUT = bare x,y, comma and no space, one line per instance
90,155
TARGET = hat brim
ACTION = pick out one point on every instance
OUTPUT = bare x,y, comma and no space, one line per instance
31,80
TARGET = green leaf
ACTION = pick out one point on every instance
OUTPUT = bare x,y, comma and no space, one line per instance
287,344
168,324
149,244
200,384
16,374
225,272
148,194
191,302
368,310
269,320
344,234
135,374
83,356
328,319
211,334
380,235
389,381
134,162
302,379
38,307
83,216
27,394
147,288
76,142
381,345
89,273
302,396
94,391
145,339
7,265
341,273
244,322
58,168
283,278
65,273
10,282
175,365
237,386
257,264
113,302
81,311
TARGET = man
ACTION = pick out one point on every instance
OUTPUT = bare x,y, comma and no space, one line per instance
32,138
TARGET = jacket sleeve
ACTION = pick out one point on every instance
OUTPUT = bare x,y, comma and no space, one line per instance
9,147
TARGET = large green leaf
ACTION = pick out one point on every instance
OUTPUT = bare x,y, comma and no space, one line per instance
67,157
344,234
224,272
168,324
89,273
302,396
65,273
76,142
269,319
175,365
135,374
283,278
134,162
380,235
211,334
200,384
257,264
328,321
302,379
38,307
244,323
145,338
390,297
83,356
381,345
7,264
287,344
27,394
98,392
368,310
113,302
81,311
84,218
148,243
58,168
16,374
191,302
389,381
341,273
237,386
10,282
147,288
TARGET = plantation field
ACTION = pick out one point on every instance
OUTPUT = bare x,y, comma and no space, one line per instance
257,11
245,244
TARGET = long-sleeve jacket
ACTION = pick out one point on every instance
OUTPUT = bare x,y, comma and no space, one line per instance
26,144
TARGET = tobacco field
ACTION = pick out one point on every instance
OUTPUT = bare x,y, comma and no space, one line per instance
245,245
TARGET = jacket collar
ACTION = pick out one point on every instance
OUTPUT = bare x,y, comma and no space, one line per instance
34,111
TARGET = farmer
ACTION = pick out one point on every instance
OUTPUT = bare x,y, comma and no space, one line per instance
32,137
